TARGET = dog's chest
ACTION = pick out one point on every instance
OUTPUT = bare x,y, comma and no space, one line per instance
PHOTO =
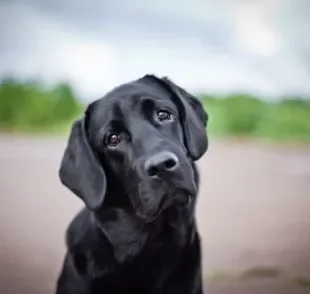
146,274
149,270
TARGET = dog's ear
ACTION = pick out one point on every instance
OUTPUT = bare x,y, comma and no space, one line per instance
80,169
193,119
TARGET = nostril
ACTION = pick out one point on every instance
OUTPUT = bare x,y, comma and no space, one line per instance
170,163
152,171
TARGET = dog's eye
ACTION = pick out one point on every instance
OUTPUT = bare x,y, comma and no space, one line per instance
164,115
114,140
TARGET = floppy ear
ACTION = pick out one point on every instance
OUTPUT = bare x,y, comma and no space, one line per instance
193,118
80,170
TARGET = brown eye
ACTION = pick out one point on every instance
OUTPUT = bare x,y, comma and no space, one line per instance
164,115
114,140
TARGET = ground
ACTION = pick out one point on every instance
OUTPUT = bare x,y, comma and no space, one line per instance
253,216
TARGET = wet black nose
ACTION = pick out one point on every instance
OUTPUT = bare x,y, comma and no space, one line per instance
161,163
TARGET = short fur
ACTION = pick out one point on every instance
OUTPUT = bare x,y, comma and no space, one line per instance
137,232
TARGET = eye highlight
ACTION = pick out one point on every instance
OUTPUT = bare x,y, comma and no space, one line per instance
113,140
164,115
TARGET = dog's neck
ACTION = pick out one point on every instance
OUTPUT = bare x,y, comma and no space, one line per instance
129,234
126,233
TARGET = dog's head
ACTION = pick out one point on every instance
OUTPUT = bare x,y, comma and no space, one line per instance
137,145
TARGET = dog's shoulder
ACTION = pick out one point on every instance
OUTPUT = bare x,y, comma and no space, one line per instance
79,228
87,247
83,234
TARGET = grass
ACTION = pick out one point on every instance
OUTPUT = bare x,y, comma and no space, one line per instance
248,274
261,272
257,273
302,281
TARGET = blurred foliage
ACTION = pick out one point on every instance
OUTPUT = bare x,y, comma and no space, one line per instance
243,115
29,106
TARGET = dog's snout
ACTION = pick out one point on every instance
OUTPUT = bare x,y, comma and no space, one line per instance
161,163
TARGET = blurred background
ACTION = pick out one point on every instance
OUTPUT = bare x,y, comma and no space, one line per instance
248,62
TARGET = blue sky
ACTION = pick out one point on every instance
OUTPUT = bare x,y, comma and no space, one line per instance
214,46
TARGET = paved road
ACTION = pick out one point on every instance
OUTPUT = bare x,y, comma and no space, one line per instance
254,210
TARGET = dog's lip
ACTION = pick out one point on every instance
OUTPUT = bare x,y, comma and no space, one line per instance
150,219
188,201
155,215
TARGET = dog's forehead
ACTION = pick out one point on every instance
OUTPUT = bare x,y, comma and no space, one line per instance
126,99
129,95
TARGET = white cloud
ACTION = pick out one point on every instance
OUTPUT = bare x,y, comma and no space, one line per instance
40,48
36,44
254,34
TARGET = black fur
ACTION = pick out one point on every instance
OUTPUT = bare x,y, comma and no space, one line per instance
137,233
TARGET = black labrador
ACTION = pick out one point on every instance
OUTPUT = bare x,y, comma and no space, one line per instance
131,160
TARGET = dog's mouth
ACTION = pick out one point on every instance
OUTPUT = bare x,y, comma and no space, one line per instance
181,200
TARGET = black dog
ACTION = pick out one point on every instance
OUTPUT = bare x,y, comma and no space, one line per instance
131,160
